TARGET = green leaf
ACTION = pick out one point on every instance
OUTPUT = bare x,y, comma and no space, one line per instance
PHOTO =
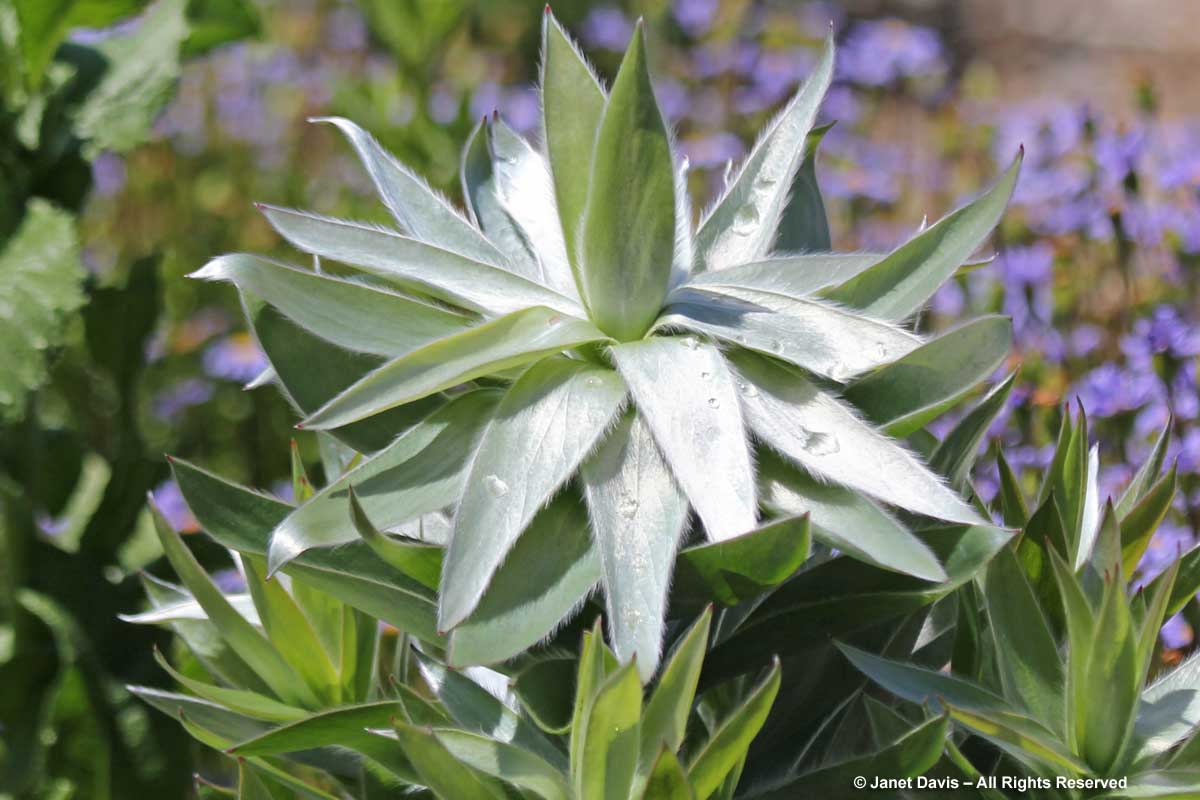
1147,473
739,569
812,334
572,104
241,701
1031,671
790,414
229,725
547,423
421,211
956,454
546,690
637,515
904,396
485,203
344,726
475,709
421,562
1013,507
511,341
1169,711
242,519
1177,783
609,752
212,23
506,762
789,275
549,571
441,771
252,787
242,637
143,66
41,282
412,264
898,286
697,424
1187,582
628,235
1105,723
422,471
1022,738
1156,610
667,780
804,227
1143,518
350,314
1081,632
729,742
922,686
664,723
594,660
846,520
43,25
744,222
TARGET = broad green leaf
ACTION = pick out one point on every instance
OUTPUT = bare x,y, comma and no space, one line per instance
804,227
922,686
41,280
441,771
445,274
810,333
352,315
1147,473
290,631
843,595
790,414
609,753
628,236
637,514
476,710
289,785
1027,659
504,761
1169,711
546,691
594,667
546,576
526,192
1022,738
1151,625
744,222
1105,723
547,423
789,275
143,66
241,701
421,211
729,742
253,787
572,104
956,454
242,519
914,753
1143,518
1081,632
1013,507
903,396
846,520
420,561
511,341
736,570
482,194
230,725
899,286
242,637
212,23
664,723
697,424
43,24
344,726
422,471
667,779
310,371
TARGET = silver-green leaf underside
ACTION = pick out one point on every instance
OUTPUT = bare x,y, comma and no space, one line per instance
421,211
899,285
422,471
638,515
689,399
814,335
510,341
572,104
790,275
793,416
350,314
628,239
450,276
481,192
742,225
546,425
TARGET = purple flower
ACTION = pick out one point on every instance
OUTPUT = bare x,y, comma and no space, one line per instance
1026,266
881,51
345,29
168,404
1108,390
607,28
712,150
236,357
229,581
174,508
695,16
108,174
949,300
1176,633
672,98
1165,331
521,109
1084,339
484,100
443,105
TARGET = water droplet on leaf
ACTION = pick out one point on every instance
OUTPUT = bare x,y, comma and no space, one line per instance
495,486
714,402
